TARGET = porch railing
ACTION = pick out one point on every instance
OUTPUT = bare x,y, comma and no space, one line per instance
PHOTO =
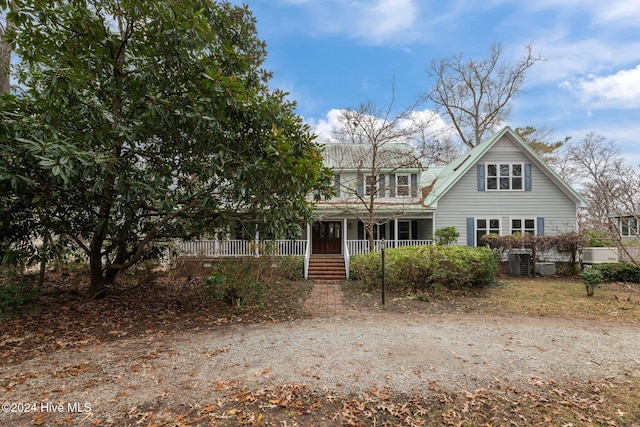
359,247
244,248
241,248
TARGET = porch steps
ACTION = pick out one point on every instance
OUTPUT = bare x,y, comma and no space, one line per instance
326,268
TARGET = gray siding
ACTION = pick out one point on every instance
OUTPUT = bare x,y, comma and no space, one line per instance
544,200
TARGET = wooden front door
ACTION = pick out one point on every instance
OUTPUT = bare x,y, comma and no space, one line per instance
327,237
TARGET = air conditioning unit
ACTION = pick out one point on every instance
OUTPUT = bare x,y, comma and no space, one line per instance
545,268
600,255
520,264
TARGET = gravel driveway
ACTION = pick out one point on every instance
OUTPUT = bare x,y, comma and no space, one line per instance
346,352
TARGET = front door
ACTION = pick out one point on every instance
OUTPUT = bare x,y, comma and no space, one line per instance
327,237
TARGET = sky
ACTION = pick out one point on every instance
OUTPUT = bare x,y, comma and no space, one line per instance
335,54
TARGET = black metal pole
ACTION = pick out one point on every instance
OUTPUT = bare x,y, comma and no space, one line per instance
383,274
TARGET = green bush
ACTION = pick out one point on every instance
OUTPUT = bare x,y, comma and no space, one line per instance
446,235
419,268
238,281
592,278
618,272
17,292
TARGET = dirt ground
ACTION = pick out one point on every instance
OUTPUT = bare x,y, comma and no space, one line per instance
197,372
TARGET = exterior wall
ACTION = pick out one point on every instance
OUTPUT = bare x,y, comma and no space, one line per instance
545,200
349,185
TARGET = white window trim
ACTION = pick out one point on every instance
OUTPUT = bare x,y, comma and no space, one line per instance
523,219
408,176
631,232
498,164
488,219
367,187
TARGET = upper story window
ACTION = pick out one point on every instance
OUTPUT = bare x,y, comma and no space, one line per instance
371,185
403,185
630,227
505,176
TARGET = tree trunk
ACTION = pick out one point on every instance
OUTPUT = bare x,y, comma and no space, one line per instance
5,57
97,287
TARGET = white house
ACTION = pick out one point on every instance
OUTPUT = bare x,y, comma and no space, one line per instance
501,186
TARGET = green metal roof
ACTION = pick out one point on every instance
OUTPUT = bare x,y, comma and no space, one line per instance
358,156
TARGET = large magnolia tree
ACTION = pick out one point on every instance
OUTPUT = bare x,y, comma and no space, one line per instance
142,120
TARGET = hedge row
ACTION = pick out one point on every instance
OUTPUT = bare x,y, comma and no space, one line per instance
423,267
619,272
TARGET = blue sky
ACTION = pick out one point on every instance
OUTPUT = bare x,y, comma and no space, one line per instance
334,54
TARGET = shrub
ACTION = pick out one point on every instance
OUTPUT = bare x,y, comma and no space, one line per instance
16,293
422,267
446,235
291,267
592,278
618,272
238,281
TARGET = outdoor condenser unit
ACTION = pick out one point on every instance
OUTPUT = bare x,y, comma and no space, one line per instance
520,264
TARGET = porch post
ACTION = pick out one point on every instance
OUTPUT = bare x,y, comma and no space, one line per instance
216,245
257,240
344,233
395,232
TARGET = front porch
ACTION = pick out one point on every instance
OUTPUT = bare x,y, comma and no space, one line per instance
338,237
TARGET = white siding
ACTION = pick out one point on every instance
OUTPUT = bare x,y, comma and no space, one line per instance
544,200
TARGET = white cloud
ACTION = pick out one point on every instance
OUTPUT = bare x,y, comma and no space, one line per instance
428,121
385,19
326,128
368,21
621,89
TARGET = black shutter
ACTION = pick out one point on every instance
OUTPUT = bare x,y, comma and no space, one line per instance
381,185
360,230
414,230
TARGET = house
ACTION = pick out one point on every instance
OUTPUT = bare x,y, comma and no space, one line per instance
628,227
501,186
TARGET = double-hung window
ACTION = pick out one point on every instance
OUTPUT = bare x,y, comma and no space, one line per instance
630,227
523,226
505,176
486,226
403,187
371,185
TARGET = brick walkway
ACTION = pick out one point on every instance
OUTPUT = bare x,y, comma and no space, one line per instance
325,298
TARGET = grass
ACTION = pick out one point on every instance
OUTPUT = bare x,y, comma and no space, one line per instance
553,297
561,297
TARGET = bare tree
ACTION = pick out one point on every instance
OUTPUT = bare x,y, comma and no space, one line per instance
377,131
609,184
474,95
